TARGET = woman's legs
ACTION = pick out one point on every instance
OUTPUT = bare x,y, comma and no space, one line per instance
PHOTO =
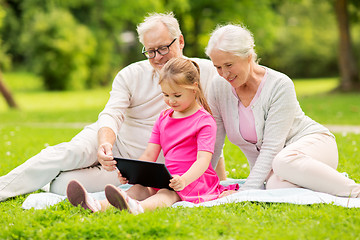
311,163
275,182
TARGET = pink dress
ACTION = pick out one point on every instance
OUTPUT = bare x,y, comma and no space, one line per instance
180,140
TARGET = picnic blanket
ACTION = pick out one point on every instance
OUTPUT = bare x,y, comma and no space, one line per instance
299,196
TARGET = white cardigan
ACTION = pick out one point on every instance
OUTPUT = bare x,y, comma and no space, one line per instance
135,102
279,121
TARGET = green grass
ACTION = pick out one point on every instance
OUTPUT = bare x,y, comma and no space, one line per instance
23,82
319,103
39,106
308,87
232,221
46,118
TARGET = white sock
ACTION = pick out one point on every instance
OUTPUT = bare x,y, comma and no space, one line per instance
135,205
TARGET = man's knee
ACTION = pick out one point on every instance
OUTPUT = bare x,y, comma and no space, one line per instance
68,156
94,179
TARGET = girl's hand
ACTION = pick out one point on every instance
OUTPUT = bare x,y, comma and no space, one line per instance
122,179
177,183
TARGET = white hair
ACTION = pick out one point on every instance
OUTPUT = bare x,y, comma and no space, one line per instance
234,39
152,21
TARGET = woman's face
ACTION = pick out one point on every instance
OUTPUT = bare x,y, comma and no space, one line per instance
233,68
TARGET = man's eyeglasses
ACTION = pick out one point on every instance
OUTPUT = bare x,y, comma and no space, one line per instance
161,50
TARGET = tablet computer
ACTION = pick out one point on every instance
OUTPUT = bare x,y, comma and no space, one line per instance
149,174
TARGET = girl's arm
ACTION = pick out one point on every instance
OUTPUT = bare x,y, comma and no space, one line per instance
198,168
151,152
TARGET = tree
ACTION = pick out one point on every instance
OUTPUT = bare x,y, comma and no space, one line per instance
199,18
62,51
4,60
31,30
7,94
349,73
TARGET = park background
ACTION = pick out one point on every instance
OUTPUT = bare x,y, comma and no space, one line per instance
57,62
81,44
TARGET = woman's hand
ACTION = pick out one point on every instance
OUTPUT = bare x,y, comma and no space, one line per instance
177,183
122,179
227,193
105,157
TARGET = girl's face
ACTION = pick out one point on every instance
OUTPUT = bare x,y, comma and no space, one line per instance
233,68
180,99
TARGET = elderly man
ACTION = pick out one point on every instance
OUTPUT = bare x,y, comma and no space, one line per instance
123,127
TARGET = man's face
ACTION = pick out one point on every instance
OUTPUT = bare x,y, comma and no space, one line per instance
159,37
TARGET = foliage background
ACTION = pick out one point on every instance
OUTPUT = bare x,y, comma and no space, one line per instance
75,44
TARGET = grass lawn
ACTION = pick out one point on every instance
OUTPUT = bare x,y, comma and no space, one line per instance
325,107
48,118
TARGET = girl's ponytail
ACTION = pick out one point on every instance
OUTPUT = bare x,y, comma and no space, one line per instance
184,72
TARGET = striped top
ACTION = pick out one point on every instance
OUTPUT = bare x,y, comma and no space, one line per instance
279,121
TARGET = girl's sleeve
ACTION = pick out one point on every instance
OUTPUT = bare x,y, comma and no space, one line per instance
155,134
206,134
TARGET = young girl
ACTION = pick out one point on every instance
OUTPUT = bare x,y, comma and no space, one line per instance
186,133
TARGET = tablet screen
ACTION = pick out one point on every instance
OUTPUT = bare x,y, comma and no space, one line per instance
149,174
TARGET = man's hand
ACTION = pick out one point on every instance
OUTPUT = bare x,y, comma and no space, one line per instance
105,157
177,183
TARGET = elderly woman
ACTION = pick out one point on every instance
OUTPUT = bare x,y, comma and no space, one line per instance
257,108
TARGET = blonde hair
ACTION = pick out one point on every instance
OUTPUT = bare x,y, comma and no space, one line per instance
184,73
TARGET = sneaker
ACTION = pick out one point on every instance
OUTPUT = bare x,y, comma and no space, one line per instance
77,195
119,199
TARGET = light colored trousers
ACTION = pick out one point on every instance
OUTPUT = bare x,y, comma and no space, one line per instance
57,164
311,163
